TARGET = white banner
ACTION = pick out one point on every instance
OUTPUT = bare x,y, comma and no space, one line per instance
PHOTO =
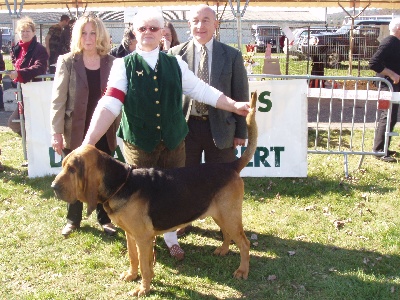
281,118
282,129
42,160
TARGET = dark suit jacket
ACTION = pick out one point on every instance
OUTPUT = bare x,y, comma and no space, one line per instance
70,98
228,75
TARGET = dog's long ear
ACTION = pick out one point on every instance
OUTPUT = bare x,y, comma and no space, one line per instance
89,182
91,195
92,187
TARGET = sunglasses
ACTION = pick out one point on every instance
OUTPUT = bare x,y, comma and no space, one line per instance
152,29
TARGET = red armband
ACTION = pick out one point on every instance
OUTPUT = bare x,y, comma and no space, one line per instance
115,93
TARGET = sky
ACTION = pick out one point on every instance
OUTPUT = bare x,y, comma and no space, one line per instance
317,11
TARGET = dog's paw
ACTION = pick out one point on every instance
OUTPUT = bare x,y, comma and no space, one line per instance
139,291
128,276
221,251
241,274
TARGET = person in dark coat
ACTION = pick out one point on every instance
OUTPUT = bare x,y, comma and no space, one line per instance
29,58
386,61
65,39
128,44
52,41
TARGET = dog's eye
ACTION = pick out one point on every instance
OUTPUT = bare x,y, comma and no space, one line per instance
71,169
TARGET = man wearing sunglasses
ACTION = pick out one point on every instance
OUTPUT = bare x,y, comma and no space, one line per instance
148,84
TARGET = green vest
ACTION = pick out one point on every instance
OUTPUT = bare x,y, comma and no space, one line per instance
152,110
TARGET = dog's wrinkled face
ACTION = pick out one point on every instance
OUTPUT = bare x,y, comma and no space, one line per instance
79,177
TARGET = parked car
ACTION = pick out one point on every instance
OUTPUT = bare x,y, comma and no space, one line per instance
333,47
6,39
300,34
267,34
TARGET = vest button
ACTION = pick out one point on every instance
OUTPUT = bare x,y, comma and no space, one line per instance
156,89
158,127
158,115
157,102
155,77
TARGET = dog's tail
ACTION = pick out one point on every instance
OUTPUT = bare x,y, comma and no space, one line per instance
247,155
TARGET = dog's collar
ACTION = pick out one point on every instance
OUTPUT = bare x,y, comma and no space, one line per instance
106,203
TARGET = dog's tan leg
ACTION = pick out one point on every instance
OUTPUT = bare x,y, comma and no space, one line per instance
145,249
224,248
232,228
244,246
132,273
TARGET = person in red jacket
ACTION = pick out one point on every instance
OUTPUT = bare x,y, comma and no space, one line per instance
29,58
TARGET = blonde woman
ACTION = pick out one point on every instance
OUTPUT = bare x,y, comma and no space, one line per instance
80,80
29,58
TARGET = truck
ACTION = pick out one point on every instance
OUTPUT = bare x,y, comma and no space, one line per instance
332,48
6,39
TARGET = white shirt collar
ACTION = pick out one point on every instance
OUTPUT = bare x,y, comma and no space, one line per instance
150,57
209,45
147,53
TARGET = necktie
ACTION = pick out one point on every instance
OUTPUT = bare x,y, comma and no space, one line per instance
203,74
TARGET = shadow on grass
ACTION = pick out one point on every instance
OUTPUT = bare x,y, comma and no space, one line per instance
98,232
315,271
306,187
265,187
19,176
333,139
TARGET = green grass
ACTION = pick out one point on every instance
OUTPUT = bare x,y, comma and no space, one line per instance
7,61
303,67
297,252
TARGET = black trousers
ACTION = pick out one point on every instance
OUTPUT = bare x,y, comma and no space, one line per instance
1,98
200,139
74,214
379,140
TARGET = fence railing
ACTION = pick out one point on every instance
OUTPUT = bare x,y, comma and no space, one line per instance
340,112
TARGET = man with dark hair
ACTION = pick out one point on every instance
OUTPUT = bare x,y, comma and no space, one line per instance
128,44
53,40
65,39
386,61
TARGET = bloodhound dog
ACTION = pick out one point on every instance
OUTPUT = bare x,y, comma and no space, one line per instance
149,202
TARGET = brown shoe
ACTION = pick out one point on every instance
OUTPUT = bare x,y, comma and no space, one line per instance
109,229
68,229
177,252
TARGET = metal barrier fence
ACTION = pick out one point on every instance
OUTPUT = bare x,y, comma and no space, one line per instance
341,110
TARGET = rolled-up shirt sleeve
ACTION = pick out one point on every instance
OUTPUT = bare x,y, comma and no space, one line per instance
117,86
195,88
